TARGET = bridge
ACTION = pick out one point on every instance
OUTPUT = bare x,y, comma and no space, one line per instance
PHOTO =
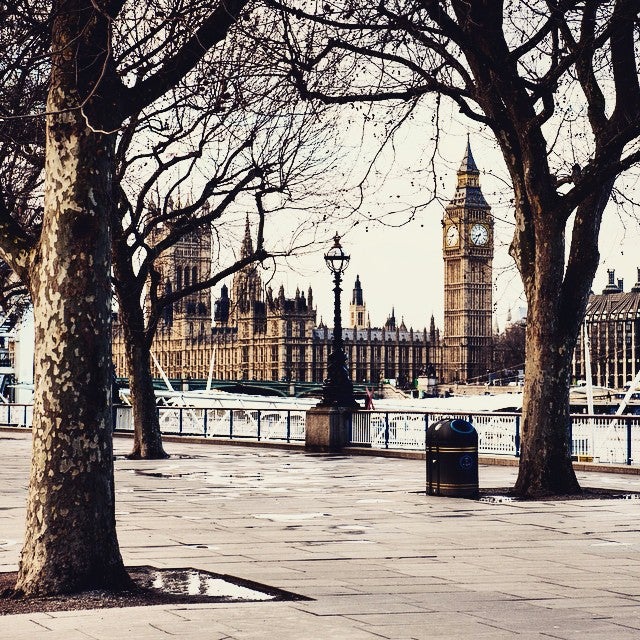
253,387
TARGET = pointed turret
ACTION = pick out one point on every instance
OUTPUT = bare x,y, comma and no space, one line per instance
390,325
468,192
357,292
222,306
357,308
247,285
468,164
247,243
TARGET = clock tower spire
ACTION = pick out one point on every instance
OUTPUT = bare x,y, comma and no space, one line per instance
468,255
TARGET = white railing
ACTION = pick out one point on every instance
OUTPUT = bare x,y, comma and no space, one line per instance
260,424
17,415
600,438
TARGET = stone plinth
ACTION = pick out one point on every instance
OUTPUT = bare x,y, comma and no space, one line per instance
327,428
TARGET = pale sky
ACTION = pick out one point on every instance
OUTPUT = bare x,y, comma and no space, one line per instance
401,266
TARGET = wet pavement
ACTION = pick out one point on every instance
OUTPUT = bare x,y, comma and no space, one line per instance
358,536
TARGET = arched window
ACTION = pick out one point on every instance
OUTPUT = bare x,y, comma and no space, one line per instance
194,275
186,276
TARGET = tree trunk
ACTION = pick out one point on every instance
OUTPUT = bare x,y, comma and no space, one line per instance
71,541
147,438
545,457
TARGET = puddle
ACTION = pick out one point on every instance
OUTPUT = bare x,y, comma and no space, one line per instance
203,586
496,499
191,582
588,493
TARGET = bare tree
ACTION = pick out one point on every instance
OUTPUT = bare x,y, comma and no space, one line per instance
105,65
557,84
209,150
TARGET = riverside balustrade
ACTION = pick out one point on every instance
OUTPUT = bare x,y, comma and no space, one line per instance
599,438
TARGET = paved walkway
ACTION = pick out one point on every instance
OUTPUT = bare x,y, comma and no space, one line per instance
378,558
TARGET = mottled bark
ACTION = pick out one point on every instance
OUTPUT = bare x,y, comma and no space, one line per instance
71,541
545,456
557,296
147,438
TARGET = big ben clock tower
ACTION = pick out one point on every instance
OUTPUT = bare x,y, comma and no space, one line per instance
467,228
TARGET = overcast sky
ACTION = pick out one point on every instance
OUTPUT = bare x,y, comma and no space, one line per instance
401,266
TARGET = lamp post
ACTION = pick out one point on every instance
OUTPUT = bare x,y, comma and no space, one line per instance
337,390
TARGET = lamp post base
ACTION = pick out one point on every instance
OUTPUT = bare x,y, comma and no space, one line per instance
328,429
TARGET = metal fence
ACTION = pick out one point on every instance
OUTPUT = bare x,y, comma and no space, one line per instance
600,438
259,424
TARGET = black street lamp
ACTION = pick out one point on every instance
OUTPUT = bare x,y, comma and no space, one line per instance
337,390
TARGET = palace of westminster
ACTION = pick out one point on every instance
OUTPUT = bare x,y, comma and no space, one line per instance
258,334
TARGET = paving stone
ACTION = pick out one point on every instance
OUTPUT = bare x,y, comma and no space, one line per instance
379,558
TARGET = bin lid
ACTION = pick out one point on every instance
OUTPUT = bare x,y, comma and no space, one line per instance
452,430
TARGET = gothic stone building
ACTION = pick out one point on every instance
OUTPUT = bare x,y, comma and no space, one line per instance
259,335
467,230
612,323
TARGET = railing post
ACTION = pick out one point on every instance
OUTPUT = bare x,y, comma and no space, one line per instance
180,421
259,414
629,458
288,425
25,417
204,422
426,428
570,436
230,424
517,437
386,430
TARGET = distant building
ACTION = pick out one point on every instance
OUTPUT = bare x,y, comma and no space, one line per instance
612,323
259,335
467,246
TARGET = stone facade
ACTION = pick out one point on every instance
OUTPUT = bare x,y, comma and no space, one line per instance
612,322
257,334
261,335
467,228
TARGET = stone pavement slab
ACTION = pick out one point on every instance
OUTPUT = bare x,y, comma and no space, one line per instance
378,557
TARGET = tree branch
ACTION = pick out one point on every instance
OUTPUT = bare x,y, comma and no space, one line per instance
213,30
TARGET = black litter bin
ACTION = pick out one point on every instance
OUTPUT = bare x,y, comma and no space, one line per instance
452,459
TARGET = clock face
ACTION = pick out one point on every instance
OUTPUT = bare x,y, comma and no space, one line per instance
479,234
451,236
